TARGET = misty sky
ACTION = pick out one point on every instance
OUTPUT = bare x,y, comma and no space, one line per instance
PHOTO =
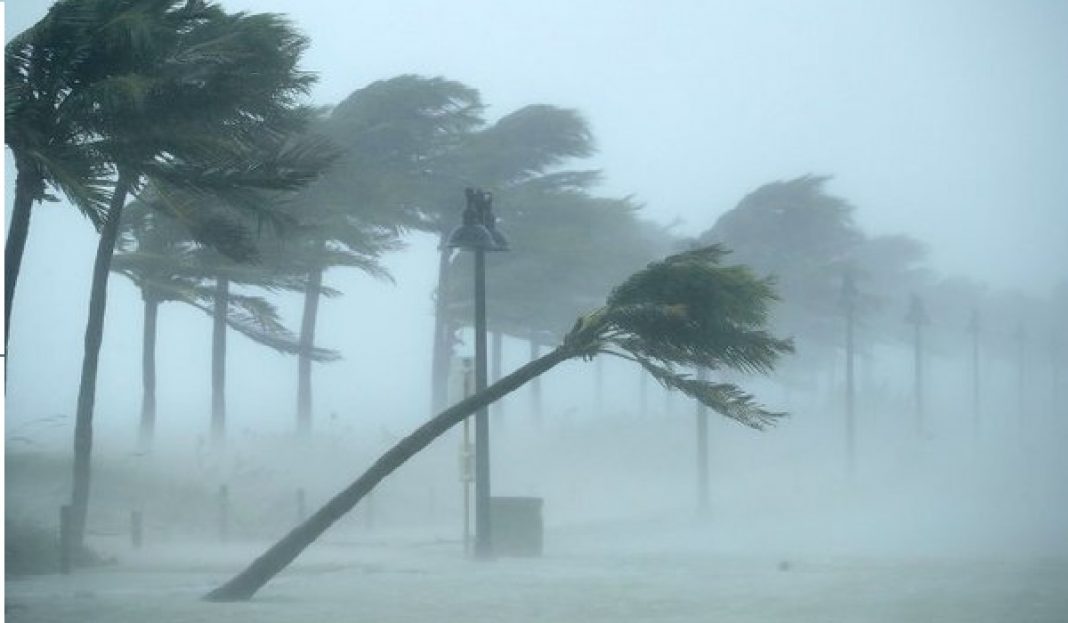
944,120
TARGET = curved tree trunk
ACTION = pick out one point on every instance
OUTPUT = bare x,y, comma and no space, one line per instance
439,365
218,361
535,384
27,185
277,557
148,372
496,365
307,343
94,335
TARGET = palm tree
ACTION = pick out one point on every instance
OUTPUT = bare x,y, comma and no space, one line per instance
568,249
43,67
184,95
393,134
686,310
356,212
519,152
798,232
159,255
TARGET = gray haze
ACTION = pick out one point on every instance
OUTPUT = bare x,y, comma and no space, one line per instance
941,120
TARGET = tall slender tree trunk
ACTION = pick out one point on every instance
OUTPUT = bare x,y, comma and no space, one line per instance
307,343
28,185
245,584
442,349
148,372
94,335
218,361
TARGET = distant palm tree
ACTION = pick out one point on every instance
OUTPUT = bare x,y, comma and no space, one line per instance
160,256
687,310
388,132
517,154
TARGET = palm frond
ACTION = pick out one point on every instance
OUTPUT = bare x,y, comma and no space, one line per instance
724,398
689,310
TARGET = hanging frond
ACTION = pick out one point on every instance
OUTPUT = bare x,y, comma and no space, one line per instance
724,398
684,311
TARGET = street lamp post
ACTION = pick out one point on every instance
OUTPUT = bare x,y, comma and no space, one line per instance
478,233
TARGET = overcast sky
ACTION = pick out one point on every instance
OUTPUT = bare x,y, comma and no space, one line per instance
944,120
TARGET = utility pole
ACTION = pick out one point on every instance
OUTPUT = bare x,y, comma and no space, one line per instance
917,317
848,303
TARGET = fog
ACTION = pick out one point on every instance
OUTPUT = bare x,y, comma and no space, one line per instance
943,122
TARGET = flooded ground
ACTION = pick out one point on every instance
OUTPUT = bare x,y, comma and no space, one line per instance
631,572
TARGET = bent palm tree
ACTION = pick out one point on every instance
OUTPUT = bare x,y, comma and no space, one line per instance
686,310
43,66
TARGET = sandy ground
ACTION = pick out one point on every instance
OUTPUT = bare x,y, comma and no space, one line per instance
634,572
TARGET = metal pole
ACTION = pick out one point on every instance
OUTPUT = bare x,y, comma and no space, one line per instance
483,545
702,449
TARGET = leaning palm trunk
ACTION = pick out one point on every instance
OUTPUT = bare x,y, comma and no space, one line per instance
245,584
94,335
148,372
307,343
685,309
27,186
218,361
535,384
